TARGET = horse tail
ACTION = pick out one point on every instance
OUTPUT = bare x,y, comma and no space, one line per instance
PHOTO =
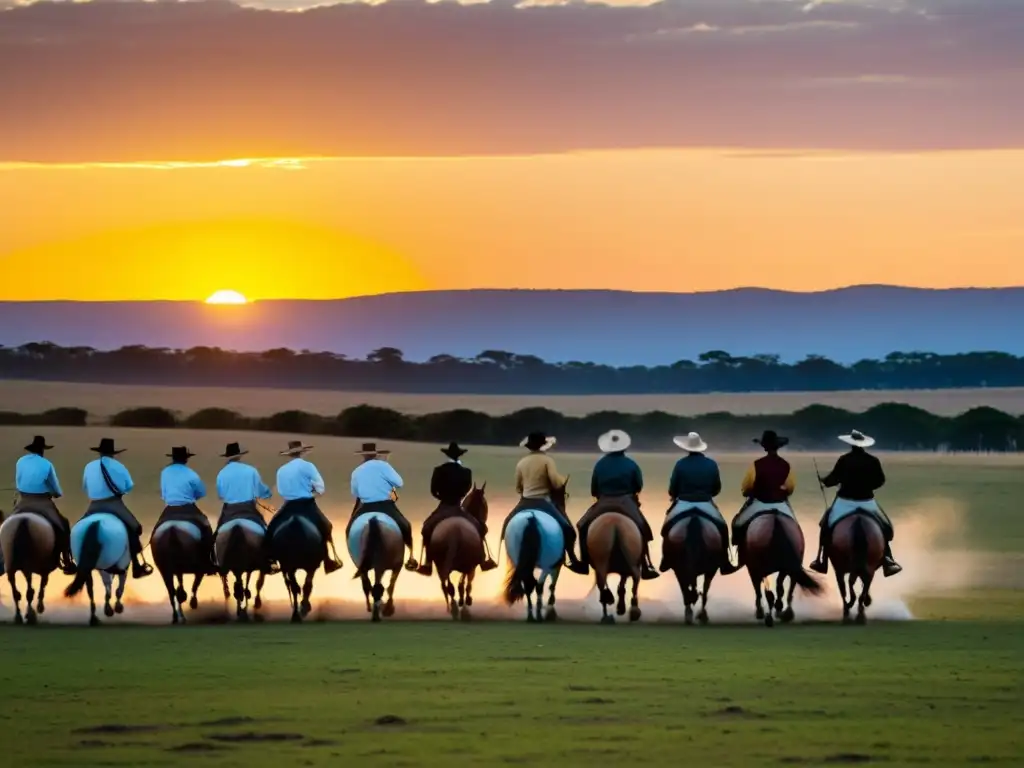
90,555
859,556
20,542
790,561
236,539
373,542
694,542
521,581
453,550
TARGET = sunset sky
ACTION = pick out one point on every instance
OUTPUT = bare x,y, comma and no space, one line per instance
167,150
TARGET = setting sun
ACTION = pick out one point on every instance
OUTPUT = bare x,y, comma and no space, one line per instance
226,297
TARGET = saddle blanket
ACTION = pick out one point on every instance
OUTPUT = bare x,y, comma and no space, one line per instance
843,508
706,508
753,508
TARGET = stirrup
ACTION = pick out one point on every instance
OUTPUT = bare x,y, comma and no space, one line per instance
411,564
488,565
331,565
425,568
890,568
141,570
819,566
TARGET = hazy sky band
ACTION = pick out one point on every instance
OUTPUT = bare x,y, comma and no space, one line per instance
209,80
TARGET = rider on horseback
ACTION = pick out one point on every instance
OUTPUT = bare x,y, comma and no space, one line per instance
449,484
374,483
769,481
35,480
299,483
858,475
616,484
696,480
106,482
239,485
536,478
180,488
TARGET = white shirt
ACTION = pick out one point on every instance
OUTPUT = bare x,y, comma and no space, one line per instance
238,483
299,479
35,474
374,480
180,485
96,487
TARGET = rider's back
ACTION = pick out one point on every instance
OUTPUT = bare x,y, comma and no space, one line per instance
537,476
772,481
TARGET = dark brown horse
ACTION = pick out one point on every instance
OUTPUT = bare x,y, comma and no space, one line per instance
178,552
693,549
29,546
616,546
775,544
457,547
856,551
239,546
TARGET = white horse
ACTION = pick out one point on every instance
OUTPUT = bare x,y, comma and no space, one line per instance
375,545
533,541
100,543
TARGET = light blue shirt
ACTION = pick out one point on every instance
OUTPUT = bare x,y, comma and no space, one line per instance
299,479
35,474
238,483
374,480
180,485
95,486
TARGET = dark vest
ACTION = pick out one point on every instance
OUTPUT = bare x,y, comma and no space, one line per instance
451,482
771,472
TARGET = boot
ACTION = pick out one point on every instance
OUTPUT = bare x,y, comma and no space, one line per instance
140,568
664,567
331,564
889,565
577,565
647,571
67,560
426,567
727,567
820,564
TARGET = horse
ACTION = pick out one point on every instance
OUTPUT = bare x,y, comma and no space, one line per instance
375,544
99,542
298,546
534,541
29,545
856,551
693,549
177,553
239,547
616,547
456,546
775,544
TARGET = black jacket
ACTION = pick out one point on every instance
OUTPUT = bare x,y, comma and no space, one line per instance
451,482
858,475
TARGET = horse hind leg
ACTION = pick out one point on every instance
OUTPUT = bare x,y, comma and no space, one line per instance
93,618
540,595
258,602
462,590
465,581
181,595
16,596
40,605
702,616
30,596
122,578
367,589
377,593
108,590
606,597
169,584
469,589
780,589
239,594
193,602
620,607
307,591
634,602
389,606
224,584
293,595
865,599
551,614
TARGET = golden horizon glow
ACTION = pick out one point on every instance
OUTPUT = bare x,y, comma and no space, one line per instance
226,296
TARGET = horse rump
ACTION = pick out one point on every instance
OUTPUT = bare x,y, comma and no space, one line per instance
520,580
90,555
374,538
789,560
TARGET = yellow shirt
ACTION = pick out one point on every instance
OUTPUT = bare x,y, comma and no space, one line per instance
537,476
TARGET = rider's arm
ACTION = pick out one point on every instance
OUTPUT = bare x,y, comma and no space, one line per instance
638,478
262,489
434,483
554,479
519,479
392,476
53,483
880,479
748,480
834,477
673,482
354,486
790,485
315,480
198,487
716,482
594,483
125,482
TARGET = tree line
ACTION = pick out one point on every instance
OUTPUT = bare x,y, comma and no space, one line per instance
501,372
896,426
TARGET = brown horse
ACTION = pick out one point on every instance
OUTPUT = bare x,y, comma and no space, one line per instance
693,549
775,544
239,547
29,546
177,552
856,552
375,544
616,547
456,546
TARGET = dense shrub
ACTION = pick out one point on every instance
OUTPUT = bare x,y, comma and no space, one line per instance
150,417
216,418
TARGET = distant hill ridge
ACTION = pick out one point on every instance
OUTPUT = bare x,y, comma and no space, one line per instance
607,327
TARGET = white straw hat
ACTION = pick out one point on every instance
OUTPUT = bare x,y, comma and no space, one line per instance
614,441
858,439
691,442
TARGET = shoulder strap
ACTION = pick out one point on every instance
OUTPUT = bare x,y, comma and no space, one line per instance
111,485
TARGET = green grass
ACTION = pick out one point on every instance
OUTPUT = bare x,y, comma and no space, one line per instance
494,694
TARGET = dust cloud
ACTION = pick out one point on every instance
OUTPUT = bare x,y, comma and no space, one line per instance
928,569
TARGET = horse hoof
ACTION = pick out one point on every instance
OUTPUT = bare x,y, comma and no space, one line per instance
769,620
702,617
788,615
248,595
759,613
296,618
181,596
530,617
867,601
242,615
375,616
454,611
861,618
620,610
388,610
551,615
305,607
18,619
119,608
30,618
607,619
258,618
193,603
93,621
258,603
108,611
847,619
465,615
174,618
469,601
688,615
40,609
634,614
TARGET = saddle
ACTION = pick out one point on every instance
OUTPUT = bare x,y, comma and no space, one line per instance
446,511
842,508
684,509
42,506
540,505
246,510
188,513
753,509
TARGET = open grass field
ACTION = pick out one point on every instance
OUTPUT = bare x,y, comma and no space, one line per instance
102,400
943,689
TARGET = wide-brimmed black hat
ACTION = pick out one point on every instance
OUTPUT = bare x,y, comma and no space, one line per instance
38,445
233,450
371,449
180,454
296,448
537,441
106,447
770,441
453,451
